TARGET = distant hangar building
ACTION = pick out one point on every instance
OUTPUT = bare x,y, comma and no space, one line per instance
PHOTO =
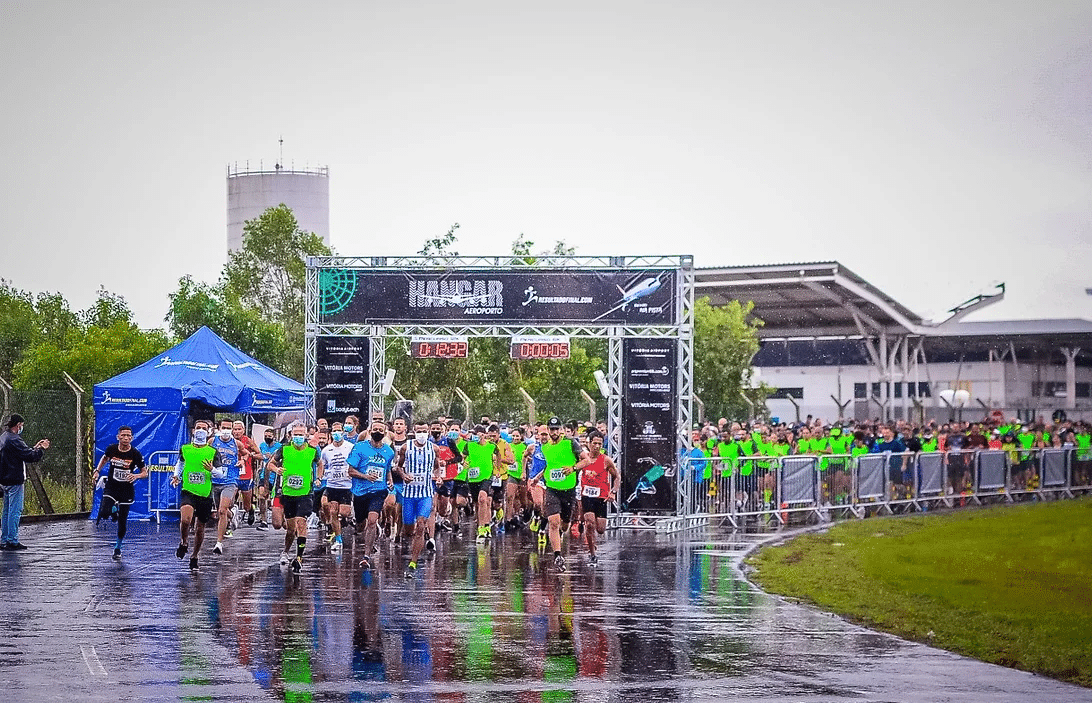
251,192
833,346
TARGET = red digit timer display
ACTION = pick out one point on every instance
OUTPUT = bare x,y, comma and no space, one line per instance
540,350
438,350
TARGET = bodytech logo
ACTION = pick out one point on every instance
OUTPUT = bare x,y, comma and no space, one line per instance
476,297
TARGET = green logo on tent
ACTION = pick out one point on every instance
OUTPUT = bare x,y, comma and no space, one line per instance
336,289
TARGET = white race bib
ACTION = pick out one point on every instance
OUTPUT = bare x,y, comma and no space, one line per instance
474,474
591,491
557,475
294,482
497,483
372,475
121,474
336,475
196,478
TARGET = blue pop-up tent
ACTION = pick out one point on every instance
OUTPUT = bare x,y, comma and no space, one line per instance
156,397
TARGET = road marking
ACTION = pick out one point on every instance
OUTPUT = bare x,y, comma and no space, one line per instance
91,659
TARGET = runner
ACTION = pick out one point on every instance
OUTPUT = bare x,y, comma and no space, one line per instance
450,462
124,465
503,459
418,464
535,465
392,504
480,454
225,480
597,490
300,469
350,428
339,485
268,448
251,456
562,454
369,466
196,462
515,492
317,519
460,489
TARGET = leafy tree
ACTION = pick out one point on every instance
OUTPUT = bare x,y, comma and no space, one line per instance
725,341
441,246
19,326
258,303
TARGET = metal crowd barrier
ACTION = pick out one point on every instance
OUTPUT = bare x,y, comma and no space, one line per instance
162,496
803,487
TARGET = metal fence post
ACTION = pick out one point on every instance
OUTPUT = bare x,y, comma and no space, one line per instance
81,500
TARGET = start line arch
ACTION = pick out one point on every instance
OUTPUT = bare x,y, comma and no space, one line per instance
642,305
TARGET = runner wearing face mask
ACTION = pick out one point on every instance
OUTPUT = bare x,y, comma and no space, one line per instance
225,481
196,462
418,465
450,460
369,466
339,494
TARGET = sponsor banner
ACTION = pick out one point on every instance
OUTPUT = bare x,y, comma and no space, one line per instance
649,408
341,376
612,296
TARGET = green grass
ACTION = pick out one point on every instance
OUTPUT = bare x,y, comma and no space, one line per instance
1011,585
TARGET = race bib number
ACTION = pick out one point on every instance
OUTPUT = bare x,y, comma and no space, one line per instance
474,474
557,475
337,475
497,482
121,474
294,482
196,478
372,474
591,491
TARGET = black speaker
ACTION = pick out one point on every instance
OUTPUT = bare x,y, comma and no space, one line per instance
403,409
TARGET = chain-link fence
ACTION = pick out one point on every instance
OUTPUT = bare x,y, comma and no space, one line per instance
51,484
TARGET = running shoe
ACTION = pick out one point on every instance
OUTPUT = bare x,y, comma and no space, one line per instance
367,563
336,547
229,533
482,532
430,545
559,563
193,563
263,525
533,525
411,571
181,551
594,561
218,549
284,558
312,522
250,517
117,552
297,565
542,541
330,538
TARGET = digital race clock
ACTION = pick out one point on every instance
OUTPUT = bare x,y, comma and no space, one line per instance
540,347
440,347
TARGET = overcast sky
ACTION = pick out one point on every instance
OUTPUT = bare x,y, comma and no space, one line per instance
935,148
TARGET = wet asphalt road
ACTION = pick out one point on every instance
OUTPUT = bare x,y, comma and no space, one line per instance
661,619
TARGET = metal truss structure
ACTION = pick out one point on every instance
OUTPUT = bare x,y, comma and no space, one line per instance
615,334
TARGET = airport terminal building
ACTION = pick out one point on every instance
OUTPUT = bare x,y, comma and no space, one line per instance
833,346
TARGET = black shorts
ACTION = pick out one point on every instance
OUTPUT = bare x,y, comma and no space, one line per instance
461,488
296,506
368,503
556,502
594,505
341,496
446,489
318,495
121,493
479,487
202,505
498,491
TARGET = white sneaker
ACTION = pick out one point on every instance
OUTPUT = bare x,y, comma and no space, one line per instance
284,558
219,548
335,547
312,522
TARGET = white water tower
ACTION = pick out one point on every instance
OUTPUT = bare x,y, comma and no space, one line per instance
250,192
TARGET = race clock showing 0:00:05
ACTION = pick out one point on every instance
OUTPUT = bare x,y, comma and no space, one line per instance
539,347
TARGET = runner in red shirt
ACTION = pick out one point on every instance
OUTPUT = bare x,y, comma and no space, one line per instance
250,454
596,474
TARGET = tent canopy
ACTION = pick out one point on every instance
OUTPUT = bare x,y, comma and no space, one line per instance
154,399
203,368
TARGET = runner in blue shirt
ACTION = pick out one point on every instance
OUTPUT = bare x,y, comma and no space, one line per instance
370,466
268,448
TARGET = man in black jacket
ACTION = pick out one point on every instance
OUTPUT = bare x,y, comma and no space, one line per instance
14,453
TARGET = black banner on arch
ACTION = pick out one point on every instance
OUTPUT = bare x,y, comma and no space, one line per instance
341,376
649,445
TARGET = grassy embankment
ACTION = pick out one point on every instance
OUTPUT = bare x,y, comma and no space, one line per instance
1010,585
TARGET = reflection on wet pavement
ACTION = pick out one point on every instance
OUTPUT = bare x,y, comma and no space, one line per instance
661,619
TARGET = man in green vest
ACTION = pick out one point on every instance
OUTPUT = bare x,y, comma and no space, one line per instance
300,469
564,457
480,453
193,472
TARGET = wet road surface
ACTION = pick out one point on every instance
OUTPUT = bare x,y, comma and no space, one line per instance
662,618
